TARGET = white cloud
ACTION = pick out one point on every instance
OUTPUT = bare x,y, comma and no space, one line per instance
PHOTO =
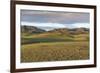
78,25
53,25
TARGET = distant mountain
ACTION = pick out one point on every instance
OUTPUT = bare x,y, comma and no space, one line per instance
31,29
70,31
60,31
61,34
79,30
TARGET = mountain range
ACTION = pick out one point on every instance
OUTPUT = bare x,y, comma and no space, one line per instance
33,29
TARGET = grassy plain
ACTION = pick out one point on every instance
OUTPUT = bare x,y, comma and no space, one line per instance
54,47
55,51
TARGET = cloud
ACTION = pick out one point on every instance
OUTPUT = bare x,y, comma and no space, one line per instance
54,17
44,24
79,25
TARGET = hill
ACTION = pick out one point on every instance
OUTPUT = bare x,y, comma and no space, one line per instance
63,31
79,30
36,35
71,31
54,45
31,29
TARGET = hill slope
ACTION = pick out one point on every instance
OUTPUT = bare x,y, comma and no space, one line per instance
31,29
63,34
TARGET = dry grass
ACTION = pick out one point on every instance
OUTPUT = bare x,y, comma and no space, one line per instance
55,51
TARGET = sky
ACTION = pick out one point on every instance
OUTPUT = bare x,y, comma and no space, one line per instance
49,20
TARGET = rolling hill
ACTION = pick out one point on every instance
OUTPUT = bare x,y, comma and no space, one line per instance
31,29
38,45
36,35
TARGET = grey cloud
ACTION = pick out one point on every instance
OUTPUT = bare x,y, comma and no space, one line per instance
54,17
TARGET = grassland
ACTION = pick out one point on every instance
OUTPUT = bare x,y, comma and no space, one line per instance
55,51
54,47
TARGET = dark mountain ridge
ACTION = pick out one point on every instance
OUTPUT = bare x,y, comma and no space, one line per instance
33,29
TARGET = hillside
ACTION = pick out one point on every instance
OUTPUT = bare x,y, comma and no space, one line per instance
60,31
36,35
79,30
31,29
71,31
61,44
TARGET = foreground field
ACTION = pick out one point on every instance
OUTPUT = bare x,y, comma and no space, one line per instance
55,51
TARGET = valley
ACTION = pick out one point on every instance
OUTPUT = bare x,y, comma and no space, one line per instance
55,45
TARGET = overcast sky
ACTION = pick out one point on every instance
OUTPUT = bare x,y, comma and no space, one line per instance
49,20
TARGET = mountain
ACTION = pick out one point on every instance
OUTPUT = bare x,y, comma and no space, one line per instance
70,31
60,31
31,29
36,35
79,30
